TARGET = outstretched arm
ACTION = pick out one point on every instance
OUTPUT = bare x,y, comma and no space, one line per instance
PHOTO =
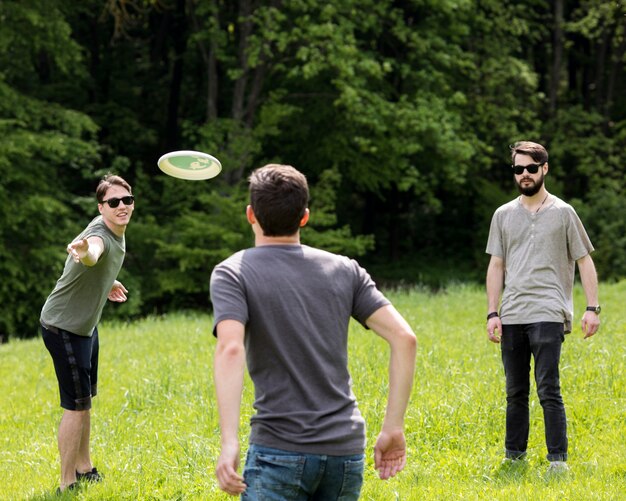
86,251
588,277
390,448
229,366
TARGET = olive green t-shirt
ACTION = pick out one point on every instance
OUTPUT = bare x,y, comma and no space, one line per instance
79,296
539,251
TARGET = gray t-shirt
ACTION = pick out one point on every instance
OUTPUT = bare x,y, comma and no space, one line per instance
296,303
79,296
540,252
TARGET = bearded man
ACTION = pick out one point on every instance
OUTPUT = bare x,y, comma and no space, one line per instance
535,242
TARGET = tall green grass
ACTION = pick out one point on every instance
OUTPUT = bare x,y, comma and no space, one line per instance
154,422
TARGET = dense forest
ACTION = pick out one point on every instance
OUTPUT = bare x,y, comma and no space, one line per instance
400,113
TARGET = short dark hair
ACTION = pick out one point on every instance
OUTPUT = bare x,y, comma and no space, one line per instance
279,195
534,150
110,180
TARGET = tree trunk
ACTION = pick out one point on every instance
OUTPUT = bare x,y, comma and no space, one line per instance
557,55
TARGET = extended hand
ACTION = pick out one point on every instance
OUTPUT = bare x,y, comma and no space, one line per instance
78,249
390,453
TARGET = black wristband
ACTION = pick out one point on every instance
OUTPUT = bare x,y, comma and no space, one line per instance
492,314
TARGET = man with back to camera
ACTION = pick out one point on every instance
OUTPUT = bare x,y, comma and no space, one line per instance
535,241
70,316
285,308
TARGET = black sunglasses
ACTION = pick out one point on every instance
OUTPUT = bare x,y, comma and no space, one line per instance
114,202
532,168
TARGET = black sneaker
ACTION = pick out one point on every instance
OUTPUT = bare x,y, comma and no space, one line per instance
89,476
70,487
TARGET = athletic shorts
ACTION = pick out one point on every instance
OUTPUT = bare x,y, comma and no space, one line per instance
76,365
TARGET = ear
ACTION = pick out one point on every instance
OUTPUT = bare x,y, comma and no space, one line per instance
250,215
305,218
546,168
100,208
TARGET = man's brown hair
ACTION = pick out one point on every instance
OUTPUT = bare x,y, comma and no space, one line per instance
106,182
534,150
279,195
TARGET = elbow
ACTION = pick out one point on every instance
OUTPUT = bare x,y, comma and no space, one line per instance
230,351
408,341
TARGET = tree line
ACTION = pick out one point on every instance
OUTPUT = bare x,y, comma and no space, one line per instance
400,113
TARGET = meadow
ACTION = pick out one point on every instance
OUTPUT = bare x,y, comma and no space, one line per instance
154,421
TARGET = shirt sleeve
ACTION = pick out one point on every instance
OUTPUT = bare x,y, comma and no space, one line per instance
494,242
227,296
578,242
367,297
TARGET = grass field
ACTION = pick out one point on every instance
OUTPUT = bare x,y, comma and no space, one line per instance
154,422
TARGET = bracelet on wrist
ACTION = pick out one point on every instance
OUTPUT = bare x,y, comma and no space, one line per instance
492,314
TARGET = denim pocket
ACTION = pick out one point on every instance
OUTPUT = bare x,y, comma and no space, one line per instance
272,476
352,479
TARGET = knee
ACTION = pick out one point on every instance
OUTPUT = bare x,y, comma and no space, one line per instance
517,391
550,395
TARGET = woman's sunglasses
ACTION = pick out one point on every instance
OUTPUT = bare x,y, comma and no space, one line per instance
532,168
114,202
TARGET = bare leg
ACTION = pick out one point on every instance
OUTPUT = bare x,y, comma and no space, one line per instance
71,431
83,461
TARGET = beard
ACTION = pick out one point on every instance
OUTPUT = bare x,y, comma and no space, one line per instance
531,189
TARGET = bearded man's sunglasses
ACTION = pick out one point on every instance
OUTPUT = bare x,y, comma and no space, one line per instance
532,168
114,202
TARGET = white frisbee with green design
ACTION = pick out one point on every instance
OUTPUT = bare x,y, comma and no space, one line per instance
192,165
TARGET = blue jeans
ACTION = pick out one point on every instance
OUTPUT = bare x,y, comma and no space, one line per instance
275,474
543,341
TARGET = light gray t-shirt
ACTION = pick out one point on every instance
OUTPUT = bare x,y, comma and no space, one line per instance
296,303
79,296
540,252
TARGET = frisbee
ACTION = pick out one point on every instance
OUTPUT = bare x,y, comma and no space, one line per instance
192,165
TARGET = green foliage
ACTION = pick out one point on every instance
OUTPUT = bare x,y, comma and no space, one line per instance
606,223
155,423
173,254
410,105
45,150
322,229
588,164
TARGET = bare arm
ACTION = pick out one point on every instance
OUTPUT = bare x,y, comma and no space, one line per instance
229,366
390,448
86,251
588,277
495,283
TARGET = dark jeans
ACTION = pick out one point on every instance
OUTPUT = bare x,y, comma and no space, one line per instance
278,475
543,341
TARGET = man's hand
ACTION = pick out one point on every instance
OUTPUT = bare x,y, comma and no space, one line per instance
590,323
390,453
78,249
226,470
117,293
494,329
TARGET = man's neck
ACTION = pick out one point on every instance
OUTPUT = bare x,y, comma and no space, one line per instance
261,240
115,228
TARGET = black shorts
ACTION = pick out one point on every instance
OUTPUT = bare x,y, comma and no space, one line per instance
76,365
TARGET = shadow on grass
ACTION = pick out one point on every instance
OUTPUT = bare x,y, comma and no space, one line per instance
50,496
511,472
53,496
